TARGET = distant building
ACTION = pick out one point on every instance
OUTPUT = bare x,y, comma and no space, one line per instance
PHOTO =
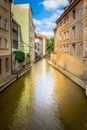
5,38
40,45
71,39
22,13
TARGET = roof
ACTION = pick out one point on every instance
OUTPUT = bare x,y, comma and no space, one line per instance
41,36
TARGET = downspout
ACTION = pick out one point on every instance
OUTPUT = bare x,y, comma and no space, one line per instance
11,35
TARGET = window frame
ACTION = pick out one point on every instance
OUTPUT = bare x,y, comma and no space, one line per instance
5,24
74,31
6,43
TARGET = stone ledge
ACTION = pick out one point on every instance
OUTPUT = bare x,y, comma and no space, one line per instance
71,76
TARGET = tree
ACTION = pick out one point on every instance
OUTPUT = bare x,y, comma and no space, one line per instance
50,45
19,56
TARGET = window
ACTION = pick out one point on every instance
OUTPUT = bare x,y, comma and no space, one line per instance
0,42
0,66
6,43
7,64
74,13
67,49
73,31
73,49
67,35
5,4
64,35
5,24
0,21
64,49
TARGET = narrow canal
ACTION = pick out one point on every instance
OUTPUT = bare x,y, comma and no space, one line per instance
43,99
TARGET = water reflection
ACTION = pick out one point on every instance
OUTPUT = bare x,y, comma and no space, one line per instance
43,99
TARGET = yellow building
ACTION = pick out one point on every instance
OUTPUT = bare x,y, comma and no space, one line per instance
5,38
71,41
22,14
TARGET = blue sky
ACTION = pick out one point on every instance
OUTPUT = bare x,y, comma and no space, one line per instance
45,13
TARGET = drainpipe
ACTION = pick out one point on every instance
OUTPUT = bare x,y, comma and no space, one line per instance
11,36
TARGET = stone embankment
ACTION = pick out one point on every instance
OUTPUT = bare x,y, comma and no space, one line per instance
11,79
71,76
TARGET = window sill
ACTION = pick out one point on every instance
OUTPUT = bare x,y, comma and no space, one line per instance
4,48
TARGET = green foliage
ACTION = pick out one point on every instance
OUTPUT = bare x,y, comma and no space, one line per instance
28,54
19,56
50,45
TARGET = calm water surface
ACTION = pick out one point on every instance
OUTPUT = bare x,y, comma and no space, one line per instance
43,99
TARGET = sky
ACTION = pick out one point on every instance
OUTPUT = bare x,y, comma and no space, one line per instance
45,13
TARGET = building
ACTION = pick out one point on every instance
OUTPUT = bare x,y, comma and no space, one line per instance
16,42
32,37
22,14
5,38
71,40
40,45
16,36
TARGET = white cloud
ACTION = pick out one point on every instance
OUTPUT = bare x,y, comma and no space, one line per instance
37,22
45,25
54,4
50,22
47,33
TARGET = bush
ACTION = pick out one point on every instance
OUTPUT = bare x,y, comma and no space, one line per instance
28,54
19,56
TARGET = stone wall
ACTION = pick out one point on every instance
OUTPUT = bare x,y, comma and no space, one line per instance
70,44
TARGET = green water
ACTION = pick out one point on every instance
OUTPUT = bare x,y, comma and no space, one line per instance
43,99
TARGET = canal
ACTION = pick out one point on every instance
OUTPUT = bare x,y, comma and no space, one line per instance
43,99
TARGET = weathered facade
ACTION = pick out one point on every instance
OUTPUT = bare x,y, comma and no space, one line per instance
5,38
71,39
